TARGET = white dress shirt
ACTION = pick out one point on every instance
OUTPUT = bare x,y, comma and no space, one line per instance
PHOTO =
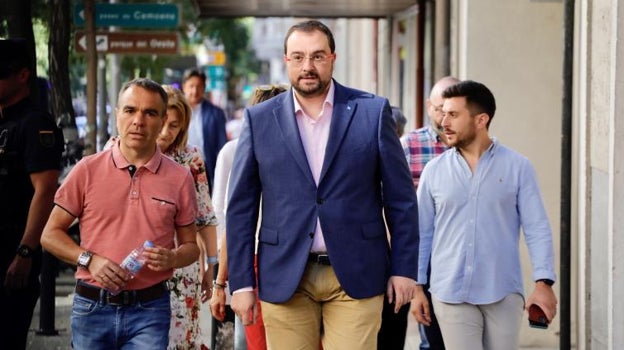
196,132
222,176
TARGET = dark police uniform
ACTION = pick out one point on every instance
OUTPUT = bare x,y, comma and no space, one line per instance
30,142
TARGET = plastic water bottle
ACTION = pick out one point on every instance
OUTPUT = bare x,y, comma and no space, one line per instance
134,262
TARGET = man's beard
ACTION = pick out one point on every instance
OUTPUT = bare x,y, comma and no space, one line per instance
464,140
311,90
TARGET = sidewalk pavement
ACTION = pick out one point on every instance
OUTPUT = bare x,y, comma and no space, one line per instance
62,340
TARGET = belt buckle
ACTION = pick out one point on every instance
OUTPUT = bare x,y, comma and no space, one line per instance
124,298
321,259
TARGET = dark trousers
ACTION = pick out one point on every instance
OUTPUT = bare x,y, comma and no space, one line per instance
391,335
18,305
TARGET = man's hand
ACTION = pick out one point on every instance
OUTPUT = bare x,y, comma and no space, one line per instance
400,290
244,306
544,297
107,273
160,258
420,307
17,273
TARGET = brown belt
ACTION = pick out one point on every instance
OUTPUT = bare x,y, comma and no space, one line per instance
319,258
125,297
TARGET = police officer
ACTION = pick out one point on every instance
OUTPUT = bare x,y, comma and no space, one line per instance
30,157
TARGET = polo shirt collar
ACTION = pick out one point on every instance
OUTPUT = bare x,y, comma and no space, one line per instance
121,163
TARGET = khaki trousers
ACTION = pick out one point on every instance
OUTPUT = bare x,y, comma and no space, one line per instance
481,327
320,310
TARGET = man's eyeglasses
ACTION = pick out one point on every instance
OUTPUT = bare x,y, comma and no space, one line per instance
317,58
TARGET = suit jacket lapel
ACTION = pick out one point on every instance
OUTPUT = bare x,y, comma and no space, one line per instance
285,118
344,107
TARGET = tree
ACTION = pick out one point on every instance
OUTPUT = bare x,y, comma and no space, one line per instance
58,49
67,68
241,61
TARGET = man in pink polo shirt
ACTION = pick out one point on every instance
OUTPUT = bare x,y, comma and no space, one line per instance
122,197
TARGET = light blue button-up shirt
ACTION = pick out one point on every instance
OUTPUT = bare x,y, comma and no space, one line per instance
470,226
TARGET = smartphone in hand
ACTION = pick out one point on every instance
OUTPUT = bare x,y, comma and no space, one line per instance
537,318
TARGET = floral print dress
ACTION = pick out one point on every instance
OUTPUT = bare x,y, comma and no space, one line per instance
185,283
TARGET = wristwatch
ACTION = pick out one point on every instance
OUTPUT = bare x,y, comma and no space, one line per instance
24,251
84,259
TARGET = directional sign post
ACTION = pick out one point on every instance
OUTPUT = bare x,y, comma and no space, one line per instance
130,42
131,15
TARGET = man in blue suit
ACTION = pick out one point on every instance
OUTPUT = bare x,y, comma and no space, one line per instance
329,167
207,127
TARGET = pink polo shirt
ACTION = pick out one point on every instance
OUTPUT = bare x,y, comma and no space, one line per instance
117,212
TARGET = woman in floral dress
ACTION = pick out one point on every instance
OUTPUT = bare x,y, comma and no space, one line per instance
188,283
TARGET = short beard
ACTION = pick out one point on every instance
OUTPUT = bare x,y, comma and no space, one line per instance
311,91
465,141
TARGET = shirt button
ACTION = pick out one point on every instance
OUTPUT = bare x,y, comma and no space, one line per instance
319,201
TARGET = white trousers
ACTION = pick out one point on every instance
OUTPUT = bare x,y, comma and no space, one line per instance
481,327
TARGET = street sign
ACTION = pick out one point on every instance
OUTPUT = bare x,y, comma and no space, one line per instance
130,42
216,58
216,77
131,15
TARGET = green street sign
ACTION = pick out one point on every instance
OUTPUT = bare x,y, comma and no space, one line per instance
131,15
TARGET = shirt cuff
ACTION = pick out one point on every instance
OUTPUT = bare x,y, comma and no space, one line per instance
244,289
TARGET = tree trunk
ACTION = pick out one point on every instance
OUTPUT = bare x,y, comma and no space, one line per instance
58,53
91,139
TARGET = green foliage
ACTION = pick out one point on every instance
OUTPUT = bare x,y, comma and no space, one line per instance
40,30
233,34
150,66
40,9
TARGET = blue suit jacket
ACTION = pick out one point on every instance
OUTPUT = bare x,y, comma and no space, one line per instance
213,129
364,178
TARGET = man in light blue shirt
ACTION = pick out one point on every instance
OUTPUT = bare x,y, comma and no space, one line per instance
473,199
